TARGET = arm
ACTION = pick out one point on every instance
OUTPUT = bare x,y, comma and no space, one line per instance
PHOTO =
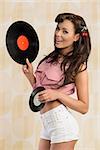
28,71
82,103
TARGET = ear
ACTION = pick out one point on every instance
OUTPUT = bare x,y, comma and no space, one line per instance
76,38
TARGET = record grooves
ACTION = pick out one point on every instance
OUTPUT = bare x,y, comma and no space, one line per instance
22,42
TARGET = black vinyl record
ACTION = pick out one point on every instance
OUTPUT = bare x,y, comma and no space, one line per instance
34,103
22,42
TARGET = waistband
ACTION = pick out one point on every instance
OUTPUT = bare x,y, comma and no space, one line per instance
61,107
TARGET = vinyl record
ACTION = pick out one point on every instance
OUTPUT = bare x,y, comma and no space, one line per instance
34,103
22,42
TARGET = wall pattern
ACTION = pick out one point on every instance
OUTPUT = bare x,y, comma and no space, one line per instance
19,126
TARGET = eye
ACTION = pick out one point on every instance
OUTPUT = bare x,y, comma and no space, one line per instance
65,32
57,28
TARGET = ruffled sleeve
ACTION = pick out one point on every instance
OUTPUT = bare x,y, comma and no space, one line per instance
50,76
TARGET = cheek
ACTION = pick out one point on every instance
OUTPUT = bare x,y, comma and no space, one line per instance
69,40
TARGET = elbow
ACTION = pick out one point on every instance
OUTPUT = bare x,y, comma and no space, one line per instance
85,110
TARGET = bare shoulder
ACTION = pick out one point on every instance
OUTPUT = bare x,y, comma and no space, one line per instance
81,76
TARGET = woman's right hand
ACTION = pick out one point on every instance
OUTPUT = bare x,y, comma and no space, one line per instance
27,68
28,71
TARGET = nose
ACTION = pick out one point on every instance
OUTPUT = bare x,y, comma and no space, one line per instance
58,33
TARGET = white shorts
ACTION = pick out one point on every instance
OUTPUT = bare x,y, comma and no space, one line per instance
59,125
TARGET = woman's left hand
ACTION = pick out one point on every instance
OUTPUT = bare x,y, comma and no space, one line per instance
48,95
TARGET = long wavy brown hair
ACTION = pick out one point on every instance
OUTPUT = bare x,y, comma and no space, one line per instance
81,49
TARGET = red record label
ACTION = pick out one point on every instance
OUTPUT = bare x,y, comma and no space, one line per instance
22,42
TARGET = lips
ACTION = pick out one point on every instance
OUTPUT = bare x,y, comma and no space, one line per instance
57,41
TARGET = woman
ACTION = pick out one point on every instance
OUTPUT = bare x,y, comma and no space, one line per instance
60,73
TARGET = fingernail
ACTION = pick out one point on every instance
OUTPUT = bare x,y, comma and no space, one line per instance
25,69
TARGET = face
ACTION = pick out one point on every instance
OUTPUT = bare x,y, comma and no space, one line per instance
65,36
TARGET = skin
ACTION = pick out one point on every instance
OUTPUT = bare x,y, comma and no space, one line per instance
63,38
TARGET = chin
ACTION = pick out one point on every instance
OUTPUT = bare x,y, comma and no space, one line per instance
58,46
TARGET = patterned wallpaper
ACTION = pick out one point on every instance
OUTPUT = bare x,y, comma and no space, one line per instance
19,126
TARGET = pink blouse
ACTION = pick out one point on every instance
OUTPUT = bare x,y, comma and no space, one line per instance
50,76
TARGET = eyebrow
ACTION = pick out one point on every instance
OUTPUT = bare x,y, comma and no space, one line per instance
62,28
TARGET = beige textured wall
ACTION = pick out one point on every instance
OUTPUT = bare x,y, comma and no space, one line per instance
19,126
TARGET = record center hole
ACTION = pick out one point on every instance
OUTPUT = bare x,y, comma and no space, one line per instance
22,42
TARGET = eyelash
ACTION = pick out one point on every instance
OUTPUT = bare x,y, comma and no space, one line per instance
57,29
65,32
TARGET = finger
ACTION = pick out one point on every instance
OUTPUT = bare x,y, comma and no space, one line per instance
43,98
27,62
42,92
25,68
42,101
